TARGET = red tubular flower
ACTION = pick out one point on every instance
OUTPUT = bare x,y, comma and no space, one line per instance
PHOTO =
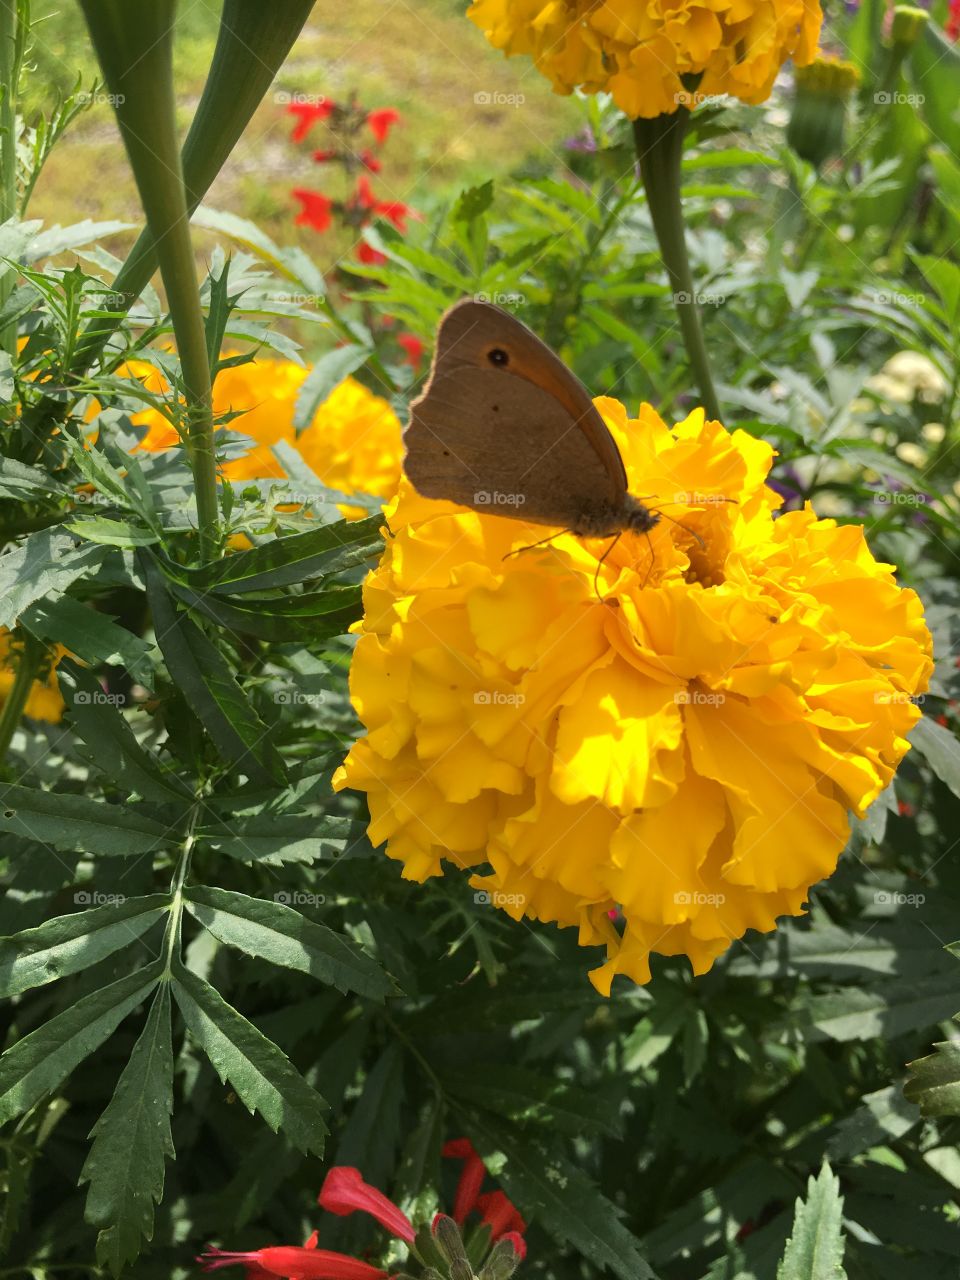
518,1242
500,1214
363,196
294,1263
307,114
394,211
344,1191
471,1176
370,161
952,28
382,121
324,157
367,254
414,349
315,211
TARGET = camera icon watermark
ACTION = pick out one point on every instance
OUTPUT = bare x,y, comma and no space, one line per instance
94,898
88,498
87,99
284,99
496,99
683,299
900,498
494,498
901,299
895,698
693,498
486,898
498,698
502,299
299,898
297,698
699,698
99,698
892,898
696,898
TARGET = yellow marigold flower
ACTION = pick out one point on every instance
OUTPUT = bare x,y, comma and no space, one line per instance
686,749
43,701
649,55
353,442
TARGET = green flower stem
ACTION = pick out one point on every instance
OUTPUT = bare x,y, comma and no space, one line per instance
30,660
659,144
11,39
252,43
134,45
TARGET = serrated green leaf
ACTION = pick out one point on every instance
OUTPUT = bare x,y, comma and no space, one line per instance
125,1165
17,479
78,824
45,563
208,684
522,1095
113,533
546,1186
815,1248
92,636
934,1082
263,1077
312,616
41,1061
328,372
273,839
329,549
473,202
273,931
115,748
67,944
941,750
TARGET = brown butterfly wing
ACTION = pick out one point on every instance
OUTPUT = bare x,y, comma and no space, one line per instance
516,434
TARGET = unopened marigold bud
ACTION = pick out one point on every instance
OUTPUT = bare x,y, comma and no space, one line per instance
908,24
817,121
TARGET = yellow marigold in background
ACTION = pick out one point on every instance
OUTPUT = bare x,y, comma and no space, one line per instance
43,701
687,749
353,443
651,57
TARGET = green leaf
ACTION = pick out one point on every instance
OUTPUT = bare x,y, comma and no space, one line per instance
473,202
522,1095
115,748
546,1186
328,372
209,686
78,824
944,276
272,839
887,1011
329,549
113,533
67,944
45,563
92,636
36,1065
274,932
262,1076
125,1166
313,616
815,1248
415,1188
17,479
369,1138
934,1083
941,750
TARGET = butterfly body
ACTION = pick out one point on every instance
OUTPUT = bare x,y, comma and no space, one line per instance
504,427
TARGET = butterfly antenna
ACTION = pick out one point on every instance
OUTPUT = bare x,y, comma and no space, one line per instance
680,525
531,546
596,576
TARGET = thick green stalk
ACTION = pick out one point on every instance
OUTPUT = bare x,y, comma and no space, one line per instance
253,41
29,661
659,144
9,75
134,45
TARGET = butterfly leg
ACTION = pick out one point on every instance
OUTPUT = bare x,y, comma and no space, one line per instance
596,576
533,545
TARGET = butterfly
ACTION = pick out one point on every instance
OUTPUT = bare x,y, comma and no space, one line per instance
504,427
